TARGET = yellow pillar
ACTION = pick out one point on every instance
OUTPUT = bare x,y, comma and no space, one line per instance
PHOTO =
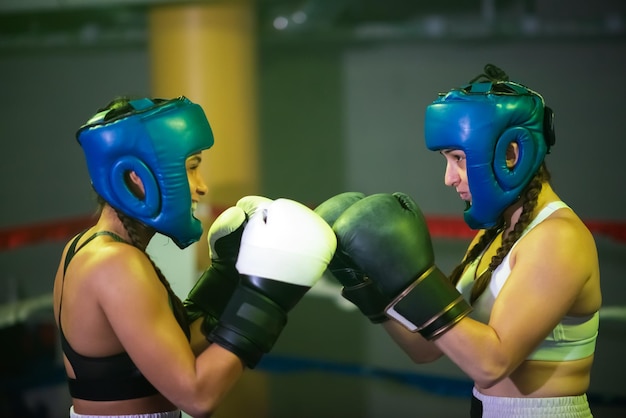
207,52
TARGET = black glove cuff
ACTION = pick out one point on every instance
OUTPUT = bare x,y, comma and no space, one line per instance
241,346
452,314
430,306
249,326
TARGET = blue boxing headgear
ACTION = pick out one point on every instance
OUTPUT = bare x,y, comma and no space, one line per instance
154,140
482,119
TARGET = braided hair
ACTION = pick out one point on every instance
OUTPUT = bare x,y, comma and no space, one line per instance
531,194
492,73
134,229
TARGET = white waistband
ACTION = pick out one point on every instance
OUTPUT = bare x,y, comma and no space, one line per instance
169,414
558,407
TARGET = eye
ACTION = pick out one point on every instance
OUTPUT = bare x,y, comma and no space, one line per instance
193,163
453,155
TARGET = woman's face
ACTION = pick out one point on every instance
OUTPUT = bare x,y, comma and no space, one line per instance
197,186
456,172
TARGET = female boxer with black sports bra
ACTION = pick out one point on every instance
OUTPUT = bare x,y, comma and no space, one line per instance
131,347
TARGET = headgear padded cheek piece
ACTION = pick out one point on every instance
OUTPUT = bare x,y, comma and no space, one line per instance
153,140
482,119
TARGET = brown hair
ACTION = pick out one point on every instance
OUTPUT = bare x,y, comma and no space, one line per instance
530,193
134,229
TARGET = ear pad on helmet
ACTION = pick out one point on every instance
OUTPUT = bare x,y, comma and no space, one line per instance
511,178
149,206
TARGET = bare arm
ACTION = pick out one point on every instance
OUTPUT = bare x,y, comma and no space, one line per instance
414,345
198,342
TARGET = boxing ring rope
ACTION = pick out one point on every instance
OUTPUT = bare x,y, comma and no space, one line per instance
439,227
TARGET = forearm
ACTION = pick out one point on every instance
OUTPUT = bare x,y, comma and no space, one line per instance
198,340
477,349
419,349
473,346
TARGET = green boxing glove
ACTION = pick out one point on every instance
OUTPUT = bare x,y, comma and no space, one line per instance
385,235
357,287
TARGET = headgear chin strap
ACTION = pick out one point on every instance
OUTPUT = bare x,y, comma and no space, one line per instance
482,119
153,140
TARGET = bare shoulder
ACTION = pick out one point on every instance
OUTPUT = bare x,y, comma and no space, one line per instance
561,240
564,228
115,267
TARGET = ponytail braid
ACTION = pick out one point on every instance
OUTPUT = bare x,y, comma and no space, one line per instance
473,254
134,229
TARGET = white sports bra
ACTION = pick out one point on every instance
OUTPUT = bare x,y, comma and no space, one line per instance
573,338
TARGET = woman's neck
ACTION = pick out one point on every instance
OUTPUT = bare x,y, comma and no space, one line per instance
512,213
110,221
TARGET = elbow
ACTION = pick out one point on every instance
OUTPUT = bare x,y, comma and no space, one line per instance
423,357
199,405
201,409
490,373
486,382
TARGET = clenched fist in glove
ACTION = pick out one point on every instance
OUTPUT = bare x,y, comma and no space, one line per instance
357,287
214,288
285,249
385,236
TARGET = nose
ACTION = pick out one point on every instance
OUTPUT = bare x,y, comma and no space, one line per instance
201,187
451,177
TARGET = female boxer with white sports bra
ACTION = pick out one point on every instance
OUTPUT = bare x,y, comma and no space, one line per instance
132,347
531,273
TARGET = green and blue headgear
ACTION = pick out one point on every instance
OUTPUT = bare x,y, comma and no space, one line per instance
154,140
482,118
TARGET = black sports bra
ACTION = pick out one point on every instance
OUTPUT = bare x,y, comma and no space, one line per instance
107,378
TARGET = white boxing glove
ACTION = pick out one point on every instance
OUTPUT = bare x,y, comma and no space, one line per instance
250,204
285,249
286,241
